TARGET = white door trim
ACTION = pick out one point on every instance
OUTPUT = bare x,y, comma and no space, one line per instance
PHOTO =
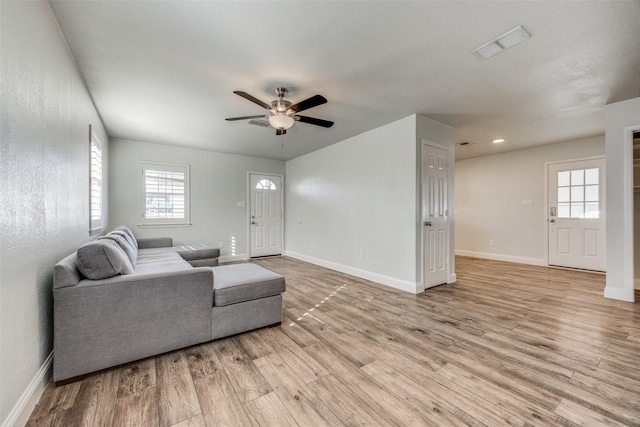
421,286
545,212
248,209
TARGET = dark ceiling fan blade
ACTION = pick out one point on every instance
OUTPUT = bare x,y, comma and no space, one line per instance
253,99
314,121
232,119
314,101
281,131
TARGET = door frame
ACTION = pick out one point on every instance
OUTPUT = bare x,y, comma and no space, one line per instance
545,212
451,277
248,209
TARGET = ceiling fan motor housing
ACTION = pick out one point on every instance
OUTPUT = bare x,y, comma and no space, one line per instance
283,114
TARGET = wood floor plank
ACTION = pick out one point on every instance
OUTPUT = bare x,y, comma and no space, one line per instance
583,416
292,390
177,398
487,415
458,378
384,402
306,366
507,344
247,381
56,399
136,377
95,404
268,410
348,407
221,406
138,409
203,360
197,421
254,344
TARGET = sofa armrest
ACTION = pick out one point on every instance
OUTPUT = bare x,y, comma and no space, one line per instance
104,323
155,242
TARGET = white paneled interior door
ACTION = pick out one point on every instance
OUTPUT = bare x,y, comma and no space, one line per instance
577,214
265,215
435,216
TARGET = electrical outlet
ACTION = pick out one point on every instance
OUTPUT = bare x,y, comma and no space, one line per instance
361,254
490,242
221,244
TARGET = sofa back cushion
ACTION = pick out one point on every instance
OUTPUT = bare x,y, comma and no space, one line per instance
129,233
121,238
101,259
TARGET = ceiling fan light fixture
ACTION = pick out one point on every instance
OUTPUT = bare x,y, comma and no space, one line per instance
281,121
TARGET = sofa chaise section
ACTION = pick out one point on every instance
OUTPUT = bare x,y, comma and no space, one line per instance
103,323
118,299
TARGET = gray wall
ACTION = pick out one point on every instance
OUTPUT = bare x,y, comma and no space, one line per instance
489,195
218,182
354,206
44,179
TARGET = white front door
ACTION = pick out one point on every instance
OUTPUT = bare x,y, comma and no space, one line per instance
577,214
266,215
435,223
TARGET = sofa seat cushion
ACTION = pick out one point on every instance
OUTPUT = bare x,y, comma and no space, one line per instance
161,263
101,259
244,282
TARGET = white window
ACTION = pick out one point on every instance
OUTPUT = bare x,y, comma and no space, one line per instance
266,184
166,194
579,193
95,185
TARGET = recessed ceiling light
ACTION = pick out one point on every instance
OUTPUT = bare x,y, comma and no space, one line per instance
503,42
498,140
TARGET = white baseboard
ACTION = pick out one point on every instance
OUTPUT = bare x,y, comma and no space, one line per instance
619,294
232,258
392,282
20,413
501,257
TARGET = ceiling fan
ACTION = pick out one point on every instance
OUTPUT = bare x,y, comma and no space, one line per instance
282,113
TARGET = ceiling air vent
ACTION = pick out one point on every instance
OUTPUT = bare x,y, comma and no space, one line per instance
261,123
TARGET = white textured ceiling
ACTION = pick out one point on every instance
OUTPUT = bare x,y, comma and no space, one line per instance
165,71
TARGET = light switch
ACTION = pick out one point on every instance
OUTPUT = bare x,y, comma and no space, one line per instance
241,204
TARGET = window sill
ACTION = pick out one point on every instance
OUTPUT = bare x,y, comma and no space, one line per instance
96,231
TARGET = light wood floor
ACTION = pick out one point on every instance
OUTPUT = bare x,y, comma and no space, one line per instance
508,344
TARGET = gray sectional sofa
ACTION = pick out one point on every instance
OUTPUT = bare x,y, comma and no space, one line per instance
118,299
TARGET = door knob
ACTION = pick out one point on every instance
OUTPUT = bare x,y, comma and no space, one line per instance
253,222
427,223
552,220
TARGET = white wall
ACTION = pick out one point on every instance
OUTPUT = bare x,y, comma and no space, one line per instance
44,193
218,183
621,119
489,200
354,206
